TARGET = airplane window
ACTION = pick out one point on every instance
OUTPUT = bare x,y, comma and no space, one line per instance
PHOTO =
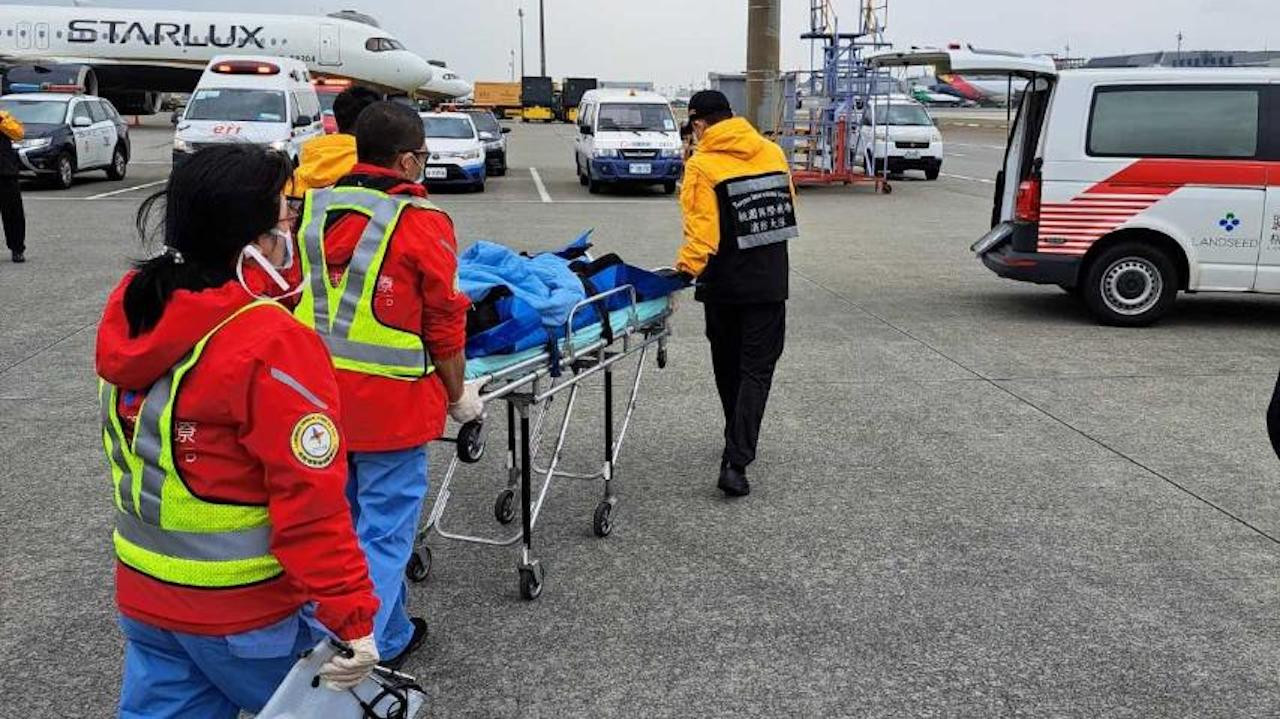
382,44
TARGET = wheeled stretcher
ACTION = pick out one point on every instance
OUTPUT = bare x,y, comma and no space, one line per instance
527,385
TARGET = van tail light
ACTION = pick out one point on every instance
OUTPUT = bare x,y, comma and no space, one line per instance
1028,205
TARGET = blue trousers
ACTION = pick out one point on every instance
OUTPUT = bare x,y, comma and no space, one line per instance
386,491
172,675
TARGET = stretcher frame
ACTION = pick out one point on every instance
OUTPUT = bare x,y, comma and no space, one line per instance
530,388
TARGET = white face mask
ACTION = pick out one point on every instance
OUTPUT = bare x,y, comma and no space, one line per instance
272,271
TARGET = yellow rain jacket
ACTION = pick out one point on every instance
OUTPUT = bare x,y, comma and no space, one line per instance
322,162
739,213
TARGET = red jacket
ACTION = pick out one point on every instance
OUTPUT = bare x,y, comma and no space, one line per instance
417,292
232,436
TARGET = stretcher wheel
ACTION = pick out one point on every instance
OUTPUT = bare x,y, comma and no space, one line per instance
419,565
471,440
662,358
602,523
531,582
887,189
504,507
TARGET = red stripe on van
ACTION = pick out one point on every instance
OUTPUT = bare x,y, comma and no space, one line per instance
1163,176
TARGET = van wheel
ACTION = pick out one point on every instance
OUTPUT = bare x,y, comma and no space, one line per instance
119,166
1130,285
594,186
669,187
582,176
931,173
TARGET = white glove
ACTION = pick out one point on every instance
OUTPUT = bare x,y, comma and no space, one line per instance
468,407
342,673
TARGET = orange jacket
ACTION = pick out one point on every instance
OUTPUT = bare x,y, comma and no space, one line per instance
10,126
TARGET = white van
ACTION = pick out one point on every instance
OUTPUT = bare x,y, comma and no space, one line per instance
627,137
1126,185
243,98
897,131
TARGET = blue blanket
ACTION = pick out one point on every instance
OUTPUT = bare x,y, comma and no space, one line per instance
524,302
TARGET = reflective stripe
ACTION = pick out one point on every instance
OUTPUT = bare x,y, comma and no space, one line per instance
148,444
313,235
768,238
206,546
756,184
296,386
115,446
376,354
384,214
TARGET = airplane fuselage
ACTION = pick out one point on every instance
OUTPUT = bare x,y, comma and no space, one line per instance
106,38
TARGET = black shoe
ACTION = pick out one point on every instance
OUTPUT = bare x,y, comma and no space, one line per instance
415,642
19,258
733,481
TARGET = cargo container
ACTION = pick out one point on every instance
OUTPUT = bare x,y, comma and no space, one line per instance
498,95
537,97
572,89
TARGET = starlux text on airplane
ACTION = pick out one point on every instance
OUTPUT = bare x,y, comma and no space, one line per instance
120,32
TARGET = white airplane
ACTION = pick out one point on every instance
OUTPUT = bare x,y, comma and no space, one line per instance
445,84
132,56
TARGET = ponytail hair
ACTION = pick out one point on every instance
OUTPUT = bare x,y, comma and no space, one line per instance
216,202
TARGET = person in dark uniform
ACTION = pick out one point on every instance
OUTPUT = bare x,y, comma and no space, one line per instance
739,215
11,214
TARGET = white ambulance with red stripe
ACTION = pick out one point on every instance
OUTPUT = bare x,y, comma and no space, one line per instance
1126,185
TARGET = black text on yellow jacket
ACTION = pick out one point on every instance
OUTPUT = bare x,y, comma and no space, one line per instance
739,214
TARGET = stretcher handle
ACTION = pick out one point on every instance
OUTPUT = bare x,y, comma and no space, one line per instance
632,313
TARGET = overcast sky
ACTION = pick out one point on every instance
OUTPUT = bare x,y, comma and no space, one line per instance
676,42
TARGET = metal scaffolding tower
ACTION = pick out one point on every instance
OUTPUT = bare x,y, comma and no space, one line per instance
818,127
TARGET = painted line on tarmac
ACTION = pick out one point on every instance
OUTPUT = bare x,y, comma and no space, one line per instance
970,179
976,144
542,189
113,193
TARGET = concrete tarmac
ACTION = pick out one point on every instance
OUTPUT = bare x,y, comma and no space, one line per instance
971,500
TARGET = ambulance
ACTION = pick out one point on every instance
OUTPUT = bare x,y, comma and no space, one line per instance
1125,186
266,101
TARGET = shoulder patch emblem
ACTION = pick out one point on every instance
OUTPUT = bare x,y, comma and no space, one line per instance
315,441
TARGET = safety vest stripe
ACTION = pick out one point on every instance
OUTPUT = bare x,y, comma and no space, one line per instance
204,546
148,444
287,380
768,238
382,216
114,440
735,188
375,354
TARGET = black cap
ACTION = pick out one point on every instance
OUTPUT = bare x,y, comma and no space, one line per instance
708,102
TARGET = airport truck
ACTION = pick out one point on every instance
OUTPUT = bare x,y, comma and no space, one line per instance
571,91
537,97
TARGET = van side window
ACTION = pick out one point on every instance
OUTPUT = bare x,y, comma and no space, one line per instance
96,111
308,105
1175,121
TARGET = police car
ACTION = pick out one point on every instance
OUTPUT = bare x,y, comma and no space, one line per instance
68,133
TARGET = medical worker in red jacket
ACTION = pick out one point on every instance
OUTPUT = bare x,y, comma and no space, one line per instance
380,286
220,421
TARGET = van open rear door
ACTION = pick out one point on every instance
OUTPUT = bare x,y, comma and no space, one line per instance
1038,72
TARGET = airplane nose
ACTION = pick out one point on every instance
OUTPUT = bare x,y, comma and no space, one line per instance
419,71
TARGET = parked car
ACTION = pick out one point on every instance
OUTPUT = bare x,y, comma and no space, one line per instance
67,133
457,153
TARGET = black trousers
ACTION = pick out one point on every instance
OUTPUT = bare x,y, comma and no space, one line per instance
11,215
746,342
